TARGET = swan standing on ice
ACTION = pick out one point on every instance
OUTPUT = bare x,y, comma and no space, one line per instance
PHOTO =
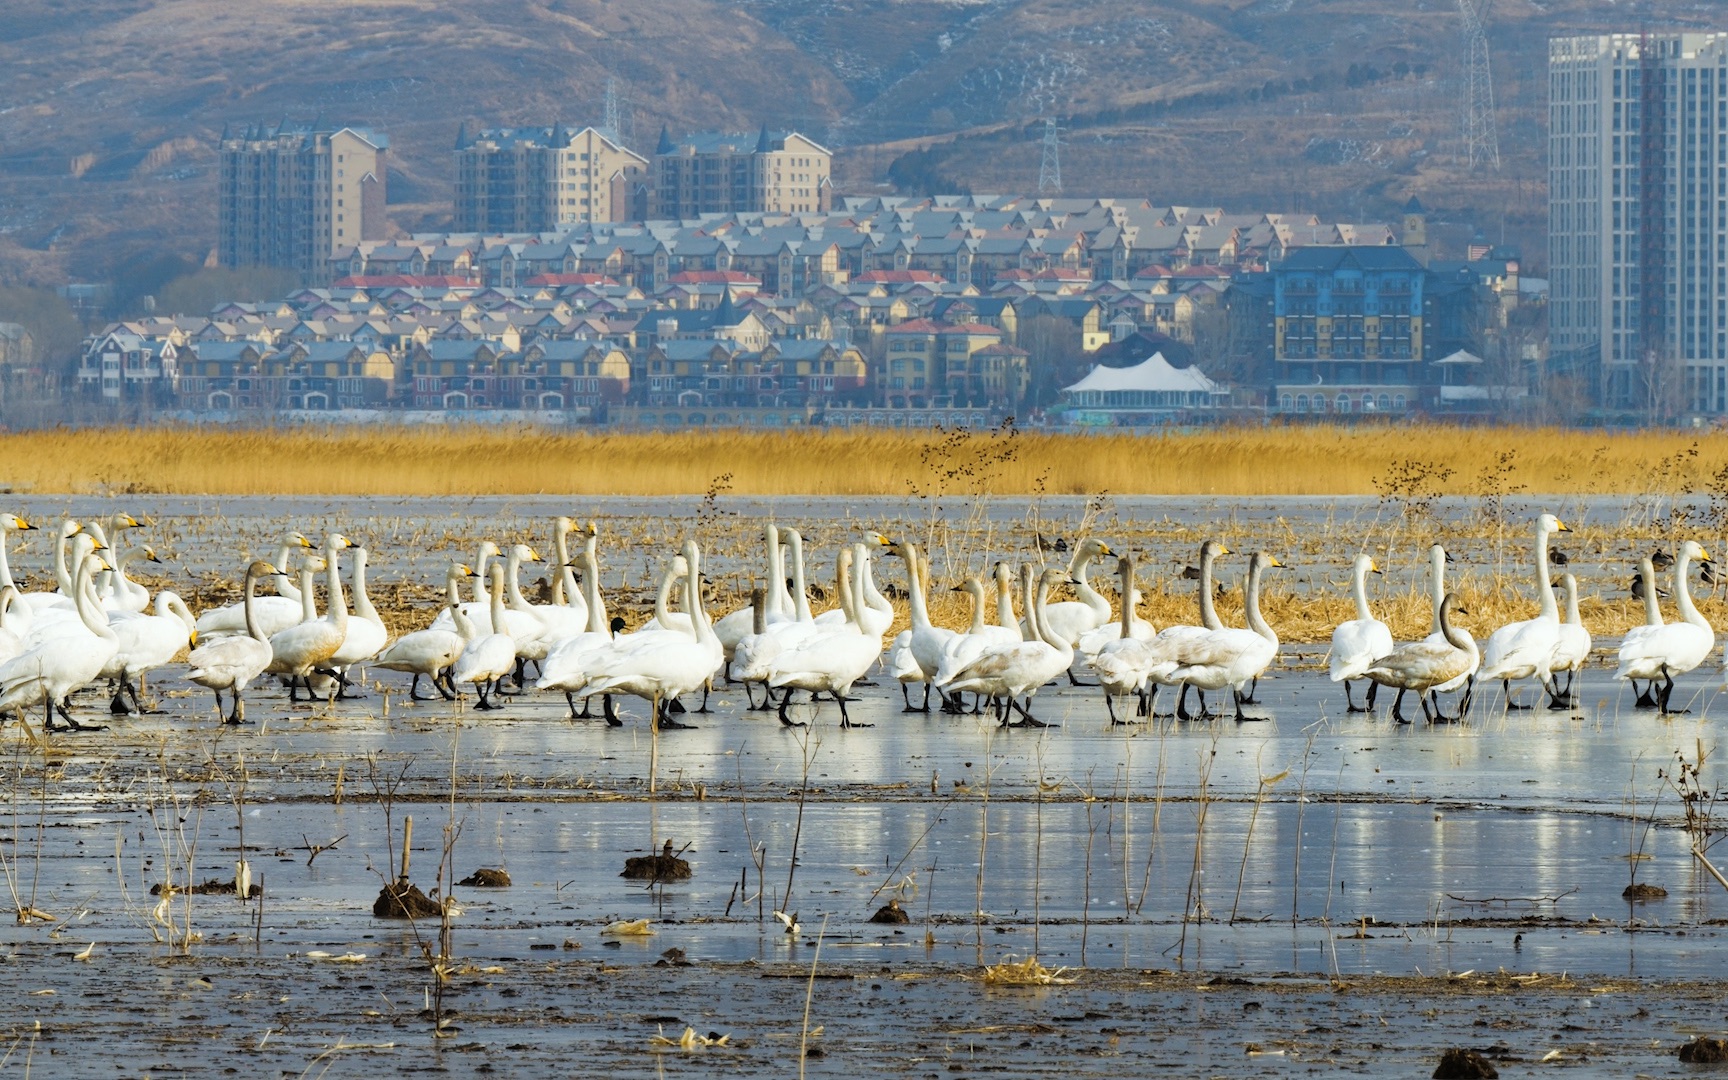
487,658
1232,657
1361,641
230,663
1525,650
431,652
1425,666
1573,651
48,673
1662,652
1009,672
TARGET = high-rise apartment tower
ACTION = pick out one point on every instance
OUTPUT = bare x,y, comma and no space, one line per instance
289,195
1638,216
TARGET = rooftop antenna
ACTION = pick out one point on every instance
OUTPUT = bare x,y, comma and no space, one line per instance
1050,168
1481,140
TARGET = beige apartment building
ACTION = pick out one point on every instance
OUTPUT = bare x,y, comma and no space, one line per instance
291,194
721,173
528,180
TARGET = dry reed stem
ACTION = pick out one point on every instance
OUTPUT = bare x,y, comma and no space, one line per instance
1270,460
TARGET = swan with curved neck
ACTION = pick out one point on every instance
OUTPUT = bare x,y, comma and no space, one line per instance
432,652
48,673
1232,657
273,613
1525,650
1124,663
9,524
837,657
308,646
1167,644
489,657
1426,666
1573,649
1356,644
929,642
1662,652
670,665
231,663
1009,672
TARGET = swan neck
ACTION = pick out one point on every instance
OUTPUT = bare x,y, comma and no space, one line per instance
253,630
338,604
843,584
497,602
513,583
1544,580
1652,602
62,574
362,601
693,599
915,586
1251,601
1360,588
1208,611
564,581
5,566
482,584
860,576
975,589
1127,602
800,599
1572,615
779,603
284,585
308,602
1683,594
597,620
1045,633
1437,582
1005,604
84,598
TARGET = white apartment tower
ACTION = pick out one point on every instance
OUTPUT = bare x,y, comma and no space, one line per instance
1638,215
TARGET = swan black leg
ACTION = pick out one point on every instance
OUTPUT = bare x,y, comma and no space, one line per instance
1506,688
1026,717
1182,712
1398,707
1349,702
1110,707
609,709
786,700
1373,691
704,706
1253,689
1644,699
238,716
924,708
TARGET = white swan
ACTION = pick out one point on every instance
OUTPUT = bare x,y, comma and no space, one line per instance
1426,666
9,524
145,642
1231,657
929,641
838,657
1071,619
272,613
1008,672
1356,644
230,663
670,666
876,614
1005,617
1124,663
1652,598
967,645
566,665
62,593
1167,644
366,635
479,609
753,654
308,646
431,652
1573,651
48,673
121,593
489,656
1525,650
733,627
1662,652
1437,560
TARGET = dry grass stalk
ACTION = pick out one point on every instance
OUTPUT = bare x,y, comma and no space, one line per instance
1270,460
1027,972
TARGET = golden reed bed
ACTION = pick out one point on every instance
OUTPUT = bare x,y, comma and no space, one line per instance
1273,460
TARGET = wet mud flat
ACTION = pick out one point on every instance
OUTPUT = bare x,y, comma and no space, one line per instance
1399,891
537,1015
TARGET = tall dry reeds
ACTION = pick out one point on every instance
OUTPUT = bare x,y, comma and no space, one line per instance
1274,460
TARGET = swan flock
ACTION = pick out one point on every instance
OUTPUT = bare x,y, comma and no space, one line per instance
99,629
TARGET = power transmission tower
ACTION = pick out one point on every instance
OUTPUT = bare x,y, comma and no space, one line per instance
616,123
1481,140
1050,169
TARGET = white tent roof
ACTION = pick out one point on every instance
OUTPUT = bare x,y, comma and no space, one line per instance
1460,357
1153,373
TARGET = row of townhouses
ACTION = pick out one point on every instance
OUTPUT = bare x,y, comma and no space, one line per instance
878,310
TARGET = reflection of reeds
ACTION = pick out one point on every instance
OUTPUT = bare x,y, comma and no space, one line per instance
462,460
